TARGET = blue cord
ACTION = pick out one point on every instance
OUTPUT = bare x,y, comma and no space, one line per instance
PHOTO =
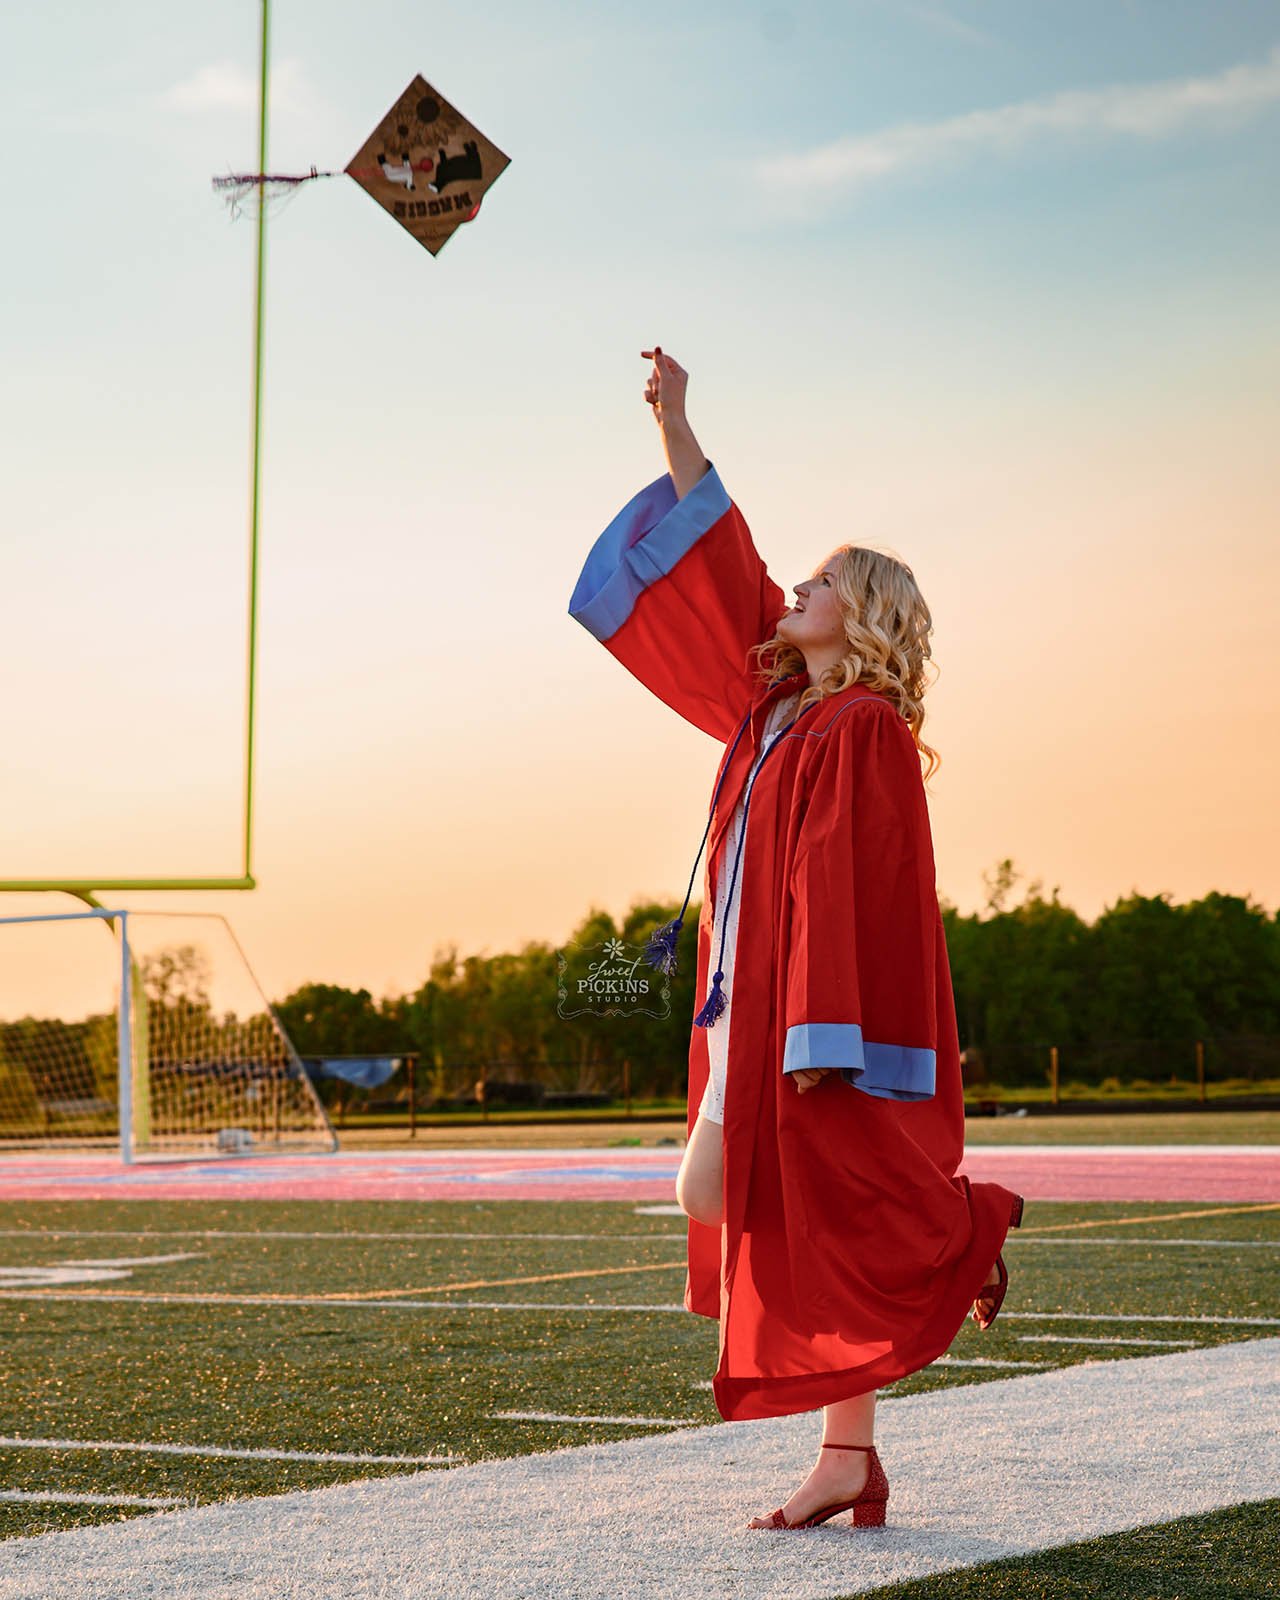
660,952
715,1002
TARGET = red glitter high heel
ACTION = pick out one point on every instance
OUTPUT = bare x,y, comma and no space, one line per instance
868,1507
994,1292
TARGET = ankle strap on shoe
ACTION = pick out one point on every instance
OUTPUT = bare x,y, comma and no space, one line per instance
848,1447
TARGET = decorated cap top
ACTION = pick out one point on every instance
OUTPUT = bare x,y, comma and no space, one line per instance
427,165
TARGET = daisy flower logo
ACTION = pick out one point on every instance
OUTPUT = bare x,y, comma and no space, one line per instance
609,979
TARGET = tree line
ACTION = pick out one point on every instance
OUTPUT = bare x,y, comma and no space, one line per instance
1126,994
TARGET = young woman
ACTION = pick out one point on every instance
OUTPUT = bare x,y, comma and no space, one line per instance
829,1232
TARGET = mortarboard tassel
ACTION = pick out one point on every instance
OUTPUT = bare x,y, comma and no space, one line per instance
715,1003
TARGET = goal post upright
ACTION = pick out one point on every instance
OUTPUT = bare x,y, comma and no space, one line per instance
84,887
259,295
173,1088
124,1044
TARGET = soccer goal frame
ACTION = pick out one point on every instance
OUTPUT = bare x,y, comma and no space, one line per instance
180,1069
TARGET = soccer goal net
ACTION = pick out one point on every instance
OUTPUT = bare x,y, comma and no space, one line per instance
145,1030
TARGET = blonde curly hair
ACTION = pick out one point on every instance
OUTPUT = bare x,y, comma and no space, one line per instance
887,624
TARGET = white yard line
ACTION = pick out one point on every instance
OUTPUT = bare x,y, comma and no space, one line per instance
986,1361
1138,1241
622,1422
50,1497
18,1442
1084,1338
124,1261
321,1301
1140,1316
976,1473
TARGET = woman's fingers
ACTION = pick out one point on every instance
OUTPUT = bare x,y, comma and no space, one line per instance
665,389
653,385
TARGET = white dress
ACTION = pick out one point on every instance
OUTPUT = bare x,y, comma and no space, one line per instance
712,1106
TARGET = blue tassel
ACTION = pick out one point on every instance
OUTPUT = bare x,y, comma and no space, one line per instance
715,1005
660,952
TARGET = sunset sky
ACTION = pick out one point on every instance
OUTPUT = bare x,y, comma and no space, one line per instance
990,285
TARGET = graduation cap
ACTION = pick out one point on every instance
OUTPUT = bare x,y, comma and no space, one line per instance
425,165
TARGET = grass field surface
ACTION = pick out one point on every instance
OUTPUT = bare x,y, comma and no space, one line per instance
188,1353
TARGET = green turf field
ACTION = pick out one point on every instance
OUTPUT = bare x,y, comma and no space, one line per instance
196,1354
1228,1555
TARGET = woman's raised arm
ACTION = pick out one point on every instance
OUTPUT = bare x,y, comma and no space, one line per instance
674,586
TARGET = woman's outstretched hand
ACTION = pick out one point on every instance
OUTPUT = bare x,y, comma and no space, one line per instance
808,1077
665,390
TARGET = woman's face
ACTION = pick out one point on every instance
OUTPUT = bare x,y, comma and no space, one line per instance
816,622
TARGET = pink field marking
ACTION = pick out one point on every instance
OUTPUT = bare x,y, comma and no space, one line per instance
1061,1172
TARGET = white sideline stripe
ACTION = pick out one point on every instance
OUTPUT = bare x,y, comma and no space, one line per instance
565,1416
1084,1338
54,1497
665,1514
313,1301
16,1442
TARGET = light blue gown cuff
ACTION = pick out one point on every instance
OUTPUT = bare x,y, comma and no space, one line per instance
641,545
890,1071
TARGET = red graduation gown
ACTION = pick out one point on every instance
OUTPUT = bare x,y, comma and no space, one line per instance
851,1251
